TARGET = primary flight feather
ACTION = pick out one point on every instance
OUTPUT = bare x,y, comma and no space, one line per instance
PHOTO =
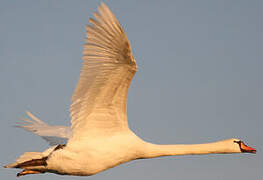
99,137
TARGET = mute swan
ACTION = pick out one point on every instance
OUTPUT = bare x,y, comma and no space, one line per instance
99,137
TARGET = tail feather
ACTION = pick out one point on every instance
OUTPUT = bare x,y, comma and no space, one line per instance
29,155
29,159
32,163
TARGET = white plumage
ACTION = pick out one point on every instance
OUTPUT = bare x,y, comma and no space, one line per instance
99,137
52,134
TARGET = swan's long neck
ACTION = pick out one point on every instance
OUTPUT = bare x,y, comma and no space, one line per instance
154,150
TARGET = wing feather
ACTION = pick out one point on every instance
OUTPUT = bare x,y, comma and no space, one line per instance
100,98
52,134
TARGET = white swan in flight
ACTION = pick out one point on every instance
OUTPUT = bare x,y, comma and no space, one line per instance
99,137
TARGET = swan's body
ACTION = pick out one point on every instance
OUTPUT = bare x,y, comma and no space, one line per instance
100,153
99,137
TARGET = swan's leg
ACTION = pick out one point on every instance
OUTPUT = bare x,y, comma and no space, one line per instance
25,172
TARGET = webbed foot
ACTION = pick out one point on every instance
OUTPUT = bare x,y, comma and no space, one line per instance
25,172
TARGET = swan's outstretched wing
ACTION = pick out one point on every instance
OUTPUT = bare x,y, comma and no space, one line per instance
99,100
52,134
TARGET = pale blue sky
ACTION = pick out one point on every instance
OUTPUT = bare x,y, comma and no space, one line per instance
199,79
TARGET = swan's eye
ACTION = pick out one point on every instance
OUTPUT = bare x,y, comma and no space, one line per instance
238,142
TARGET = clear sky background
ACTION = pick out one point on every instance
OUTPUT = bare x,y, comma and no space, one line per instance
199,79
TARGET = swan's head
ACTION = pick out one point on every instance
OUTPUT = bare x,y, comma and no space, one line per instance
239,146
